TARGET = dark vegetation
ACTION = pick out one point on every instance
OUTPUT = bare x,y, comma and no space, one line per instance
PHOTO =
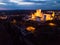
43,35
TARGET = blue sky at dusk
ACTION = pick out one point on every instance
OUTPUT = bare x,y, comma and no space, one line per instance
29,4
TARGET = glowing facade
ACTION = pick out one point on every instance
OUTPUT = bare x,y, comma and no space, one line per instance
38,15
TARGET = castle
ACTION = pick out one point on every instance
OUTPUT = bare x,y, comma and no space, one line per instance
40,16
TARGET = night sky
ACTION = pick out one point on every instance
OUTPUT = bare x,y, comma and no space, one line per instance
29,4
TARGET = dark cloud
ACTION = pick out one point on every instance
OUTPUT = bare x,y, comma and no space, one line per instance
45,5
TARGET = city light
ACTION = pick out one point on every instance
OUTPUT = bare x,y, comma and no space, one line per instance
3,17
14,21
30,28
52,24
